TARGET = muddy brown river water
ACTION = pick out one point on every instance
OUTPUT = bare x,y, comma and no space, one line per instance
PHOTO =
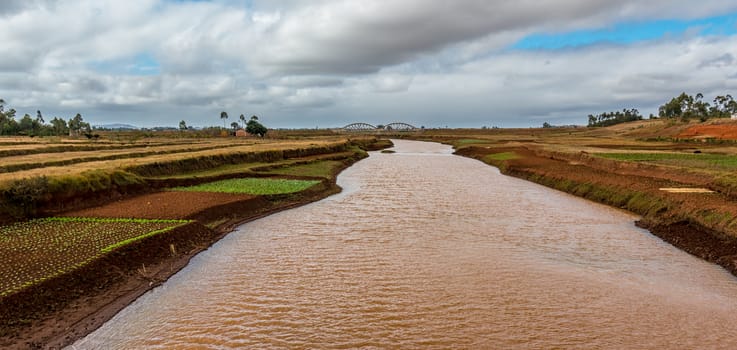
427,250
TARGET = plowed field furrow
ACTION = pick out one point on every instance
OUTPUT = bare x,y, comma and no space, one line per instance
18,163
126,161
26,150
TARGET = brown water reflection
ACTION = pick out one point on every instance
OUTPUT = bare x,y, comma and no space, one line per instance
428,250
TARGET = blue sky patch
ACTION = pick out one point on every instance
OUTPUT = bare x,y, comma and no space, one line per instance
141,64
631,32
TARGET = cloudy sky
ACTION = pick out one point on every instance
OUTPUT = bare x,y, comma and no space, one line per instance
327,63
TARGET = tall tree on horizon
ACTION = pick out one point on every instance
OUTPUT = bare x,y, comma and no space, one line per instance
60,126
224,117
75,125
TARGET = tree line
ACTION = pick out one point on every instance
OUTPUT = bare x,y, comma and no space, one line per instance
688,107
611,118
37,126
76,126
683,106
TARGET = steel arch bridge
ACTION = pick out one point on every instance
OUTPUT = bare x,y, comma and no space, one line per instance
359,127
395,126
398,126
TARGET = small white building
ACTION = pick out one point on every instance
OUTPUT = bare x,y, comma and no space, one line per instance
734,116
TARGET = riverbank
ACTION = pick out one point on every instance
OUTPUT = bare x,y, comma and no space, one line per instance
701,222
58,311
678,176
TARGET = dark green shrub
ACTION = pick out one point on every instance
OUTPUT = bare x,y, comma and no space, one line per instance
22,197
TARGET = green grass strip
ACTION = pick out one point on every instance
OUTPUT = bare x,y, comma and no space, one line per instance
325,168
112,247
255,186
464,142
105,220
501,156
700,160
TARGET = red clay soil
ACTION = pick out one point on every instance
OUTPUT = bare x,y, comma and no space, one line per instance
727,131
161,205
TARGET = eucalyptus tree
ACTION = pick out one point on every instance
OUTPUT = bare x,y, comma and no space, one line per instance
224,117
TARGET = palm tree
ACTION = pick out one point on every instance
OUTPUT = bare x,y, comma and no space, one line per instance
243,120
224,117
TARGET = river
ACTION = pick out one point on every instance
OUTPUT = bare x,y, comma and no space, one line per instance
423,250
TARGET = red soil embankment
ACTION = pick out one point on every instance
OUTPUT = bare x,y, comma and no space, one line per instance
726,131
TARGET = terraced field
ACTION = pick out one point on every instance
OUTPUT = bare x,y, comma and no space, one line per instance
58,160
50,177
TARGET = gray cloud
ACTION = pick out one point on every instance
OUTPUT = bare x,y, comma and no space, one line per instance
294,61
346,38
10,7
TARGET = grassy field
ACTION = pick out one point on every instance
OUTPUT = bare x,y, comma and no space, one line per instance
323,168
687,160
256,186
501,156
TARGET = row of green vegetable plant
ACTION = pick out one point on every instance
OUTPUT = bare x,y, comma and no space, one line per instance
37,250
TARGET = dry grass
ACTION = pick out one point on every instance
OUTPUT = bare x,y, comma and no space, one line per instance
81,156
216,147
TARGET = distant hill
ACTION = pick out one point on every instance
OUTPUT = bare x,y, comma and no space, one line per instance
117,126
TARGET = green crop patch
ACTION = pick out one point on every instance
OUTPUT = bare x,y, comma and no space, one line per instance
466,142
255,186
501,156
37,250
324,168
691,160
